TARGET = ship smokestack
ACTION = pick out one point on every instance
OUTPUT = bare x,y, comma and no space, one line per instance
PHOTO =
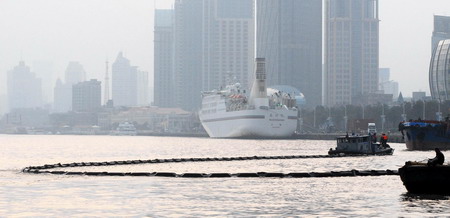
258,95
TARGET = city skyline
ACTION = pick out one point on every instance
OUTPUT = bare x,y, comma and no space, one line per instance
80,34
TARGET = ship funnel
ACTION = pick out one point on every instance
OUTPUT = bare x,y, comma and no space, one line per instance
259,90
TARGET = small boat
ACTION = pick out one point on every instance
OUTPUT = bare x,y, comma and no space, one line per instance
125,128
359,144
419,178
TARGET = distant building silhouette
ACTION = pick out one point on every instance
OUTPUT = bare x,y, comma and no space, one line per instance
351,50
62,95
386,85
289,36
24,88
75,73
418,96
441,30
124,82
87,96
62,100
143,98
163,59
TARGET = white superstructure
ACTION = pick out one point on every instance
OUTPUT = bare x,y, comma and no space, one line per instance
231,113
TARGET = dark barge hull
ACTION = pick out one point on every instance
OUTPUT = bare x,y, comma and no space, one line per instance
425,139
422,179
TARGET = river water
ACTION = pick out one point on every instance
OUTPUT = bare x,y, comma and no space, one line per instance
60,195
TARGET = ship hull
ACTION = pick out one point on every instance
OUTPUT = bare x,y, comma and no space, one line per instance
423,138
258,123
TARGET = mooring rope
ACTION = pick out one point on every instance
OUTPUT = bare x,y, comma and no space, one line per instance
45,168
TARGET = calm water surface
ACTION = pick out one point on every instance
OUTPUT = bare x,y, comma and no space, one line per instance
56,195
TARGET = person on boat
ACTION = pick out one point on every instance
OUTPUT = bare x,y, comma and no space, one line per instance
438,160
347,138
383,140
374,137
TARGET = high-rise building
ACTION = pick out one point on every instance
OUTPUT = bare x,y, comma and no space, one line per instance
385,84
227,43
44,70
441,30
289,37
75,73
62,97
62,94
24,88
163,59
124,82
351,50
187,80
439,68
87,96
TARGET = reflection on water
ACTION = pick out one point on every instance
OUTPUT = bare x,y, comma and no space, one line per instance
56,195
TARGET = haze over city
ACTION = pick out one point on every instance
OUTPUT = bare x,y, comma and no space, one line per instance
56,32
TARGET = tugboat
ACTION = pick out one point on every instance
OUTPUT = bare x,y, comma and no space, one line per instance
359,144
419,178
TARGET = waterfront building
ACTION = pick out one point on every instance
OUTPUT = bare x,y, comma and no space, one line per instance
24,88
441,30
227,43
86,96
289,36
163,58
439,68
124,82
351,50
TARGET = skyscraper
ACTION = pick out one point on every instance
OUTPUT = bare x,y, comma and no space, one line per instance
62,96
75,73
351,50
441,30
386,85
24,88
289,37
163,59
124,82
187,80
227,43
86,96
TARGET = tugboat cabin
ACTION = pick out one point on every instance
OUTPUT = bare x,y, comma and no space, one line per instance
354,144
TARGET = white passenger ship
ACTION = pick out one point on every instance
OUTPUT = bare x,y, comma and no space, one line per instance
230,113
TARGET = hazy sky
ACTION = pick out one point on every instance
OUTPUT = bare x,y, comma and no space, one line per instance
90,31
